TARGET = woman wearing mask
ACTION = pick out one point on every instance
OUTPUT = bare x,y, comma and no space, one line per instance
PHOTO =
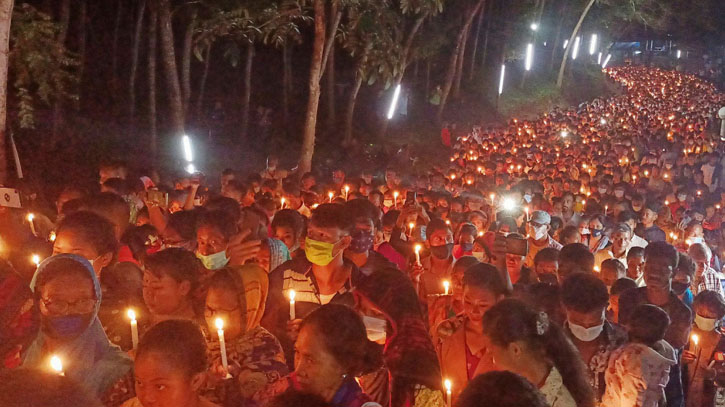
68,295
525,342
170,367
331,350
237,295
466,236
709,308
213,233
597,240
459,340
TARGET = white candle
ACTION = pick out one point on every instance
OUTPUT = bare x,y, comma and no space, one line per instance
446,286
411,227
222,346
395,199
347,191
527,213
56,365
417,254
31,218
330,194
448,385
282,201
134,328
35,259
695,340
292,295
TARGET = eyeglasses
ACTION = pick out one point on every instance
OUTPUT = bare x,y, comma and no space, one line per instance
64,307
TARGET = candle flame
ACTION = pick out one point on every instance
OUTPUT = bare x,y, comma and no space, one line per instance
417,248
446,285
131,314
695,339
56,364
35,259
292,295
30,217
219,324
447,383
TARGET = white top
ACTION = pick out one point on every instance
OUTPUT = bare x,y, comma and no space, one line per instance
325,299
554,391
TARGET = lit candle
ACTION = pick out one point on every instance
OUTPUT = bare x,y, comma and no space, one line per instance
282,201
31,218
606,208
480,233
446,286
492,196
134,328
411,227
527,213
52,236
56,365
448,385
292,295
220,331
347,191
417,254
695,340
667,202
596,268
395,199
35,259
330,195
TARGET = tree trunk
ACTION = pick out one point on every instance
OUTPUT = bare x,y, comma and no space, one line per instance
459,67
82,42
114,44
308,141
186,63
153,21
168,58
202,84
330,91
134,62
247,97
6,14
560,78
63,22
452,64
350,108
286,82
555,46
475,43
485,37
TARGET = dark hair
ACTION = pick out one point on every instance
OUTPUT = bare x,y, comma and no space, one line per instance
180,342
96,230
466,262
685,264
220,220
501,389
546,254
136,237
107,204
584,292
575,257
25,387
364,209
485,276
647,324
626,216
435,225
512,320
567,232
663,250
616,265
179,264
184,223
712,300
118,186
621,285
224,204
295,398
349,345
289,218
332,216
635,251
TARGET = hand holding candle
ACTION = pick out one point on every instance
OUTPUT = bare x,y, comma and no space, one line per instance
134,328
31,219
695,339
222,346
395,199
417,254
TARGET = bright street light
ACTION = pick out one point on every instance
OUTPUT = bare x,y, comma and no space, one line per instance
534,26
394,103
599,59
500,82
186,141
593,44
606,61
575,51
529,56
566,42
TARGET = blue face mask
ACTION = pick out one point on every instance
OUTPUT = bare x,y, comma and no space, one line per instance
467,247
214,261
67,326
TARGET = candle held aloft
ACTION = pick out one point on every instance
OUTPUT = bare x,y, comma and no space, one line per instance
347,191
222,345
446,287
292,295
35,259
31,222
448,385
395,199
134,328
282,202
417,254
330,195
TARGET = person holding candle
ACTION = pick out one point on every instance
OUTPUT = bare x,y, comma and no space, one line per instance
68,295
459,340
326,365
255,358
170,280
526,342
639,371
170,367
437,266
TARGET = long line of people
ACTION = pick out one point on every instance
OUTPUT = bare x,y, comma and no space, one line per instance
570,260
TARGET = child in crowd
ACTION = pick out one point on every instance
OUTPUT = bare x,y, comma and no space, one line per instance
612,270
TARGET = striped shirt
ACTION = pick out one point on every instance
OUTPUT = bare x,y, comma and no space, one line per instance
708,280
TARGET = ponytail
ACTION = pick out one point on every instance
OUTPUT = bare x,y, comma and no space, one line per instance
512,320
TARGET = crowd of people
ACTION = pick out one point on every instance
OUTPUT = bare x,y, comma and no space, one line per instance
574,260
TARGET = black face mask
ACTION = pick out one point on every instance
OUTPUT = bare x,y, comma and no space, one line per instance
679,288
442,252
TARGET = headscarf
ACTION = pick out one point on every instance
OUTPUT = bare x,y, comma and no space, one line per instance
91,359
278,253
252,286
409,353
19,319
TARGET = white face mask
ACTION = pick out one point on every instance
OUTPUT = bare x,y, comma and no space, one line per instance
527,198
586,334
585,231
696,239
619,194
602,191
375,328
540,232
705,324
681,198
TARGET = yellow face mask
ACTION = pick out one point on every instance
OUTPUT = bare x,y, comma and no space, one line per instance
319,253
